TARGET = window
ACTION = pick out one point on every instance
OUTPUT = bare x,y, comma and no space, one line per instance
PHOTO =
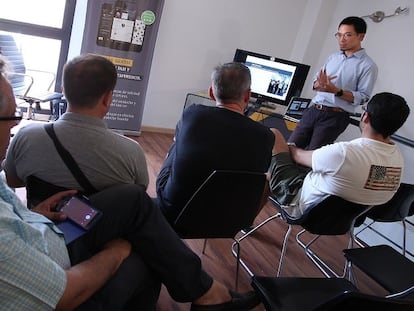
41,30
35,12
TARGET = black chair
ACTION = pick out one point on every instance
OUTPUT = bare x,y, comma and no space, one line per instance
397,209
38,190
225,203
389,268
311,294
332,216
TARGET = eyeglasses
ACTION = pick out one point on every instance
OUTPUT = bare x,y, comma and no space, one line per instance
345,35
18,116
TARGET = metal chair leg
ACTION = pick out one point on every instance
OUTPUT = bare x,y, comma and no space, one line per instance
247,234
283,252
237,264
319,263
404,236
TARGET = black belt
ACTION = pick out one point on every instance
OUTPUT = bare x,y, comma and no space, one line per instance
327,108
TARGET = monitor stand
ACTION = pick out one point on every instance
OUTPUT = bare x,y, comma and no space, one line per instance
259,103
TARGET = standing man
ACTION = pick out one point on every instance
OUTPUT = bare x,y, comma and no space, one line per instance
213,138
345,81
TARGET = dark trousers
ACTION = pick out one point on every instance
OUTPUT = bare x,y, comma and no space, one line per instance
128,212
133,287
318,128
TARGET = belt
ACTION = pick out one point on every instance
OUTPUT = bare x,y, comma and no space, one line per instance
327,108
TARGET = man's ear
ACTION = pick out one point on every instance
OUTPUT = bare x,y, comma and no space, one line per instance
210,91
107,98
247,96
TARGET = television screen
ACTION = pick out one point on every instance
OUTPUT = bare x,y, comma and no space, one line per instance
273,79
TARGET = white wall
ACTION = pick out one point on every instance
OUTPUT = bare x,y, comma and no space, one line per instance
194,36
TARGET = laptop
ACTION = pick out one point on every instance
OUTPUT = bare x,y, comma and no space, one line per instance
296,107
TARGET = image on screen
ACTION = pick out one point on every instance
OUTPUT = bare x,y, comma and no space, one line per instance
274,80
269,77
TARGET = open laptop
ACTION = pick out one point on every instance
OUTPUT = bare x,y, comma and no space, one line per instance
296,107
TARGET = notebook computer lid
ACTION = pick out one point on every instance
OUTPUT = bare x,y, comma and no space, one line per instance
296,107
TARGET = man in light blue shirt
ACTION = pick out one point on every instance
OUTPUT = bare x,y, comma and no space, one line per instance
345,81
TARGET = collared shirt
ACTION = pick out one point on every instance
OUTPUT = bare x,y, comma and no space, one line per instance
33,257
356,73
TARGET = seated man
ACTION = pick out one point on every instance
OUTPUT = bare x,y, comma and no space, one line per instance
366,170
38,271
105,157
213,138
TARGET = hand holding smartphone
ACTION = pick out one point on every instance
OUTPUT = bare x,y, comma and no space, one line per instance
80,211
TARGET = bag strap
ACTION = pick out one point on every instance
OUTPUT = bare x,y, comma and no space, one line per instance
70,162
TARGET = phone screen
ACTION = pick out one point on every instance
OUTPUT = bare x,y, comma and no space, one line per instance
79,211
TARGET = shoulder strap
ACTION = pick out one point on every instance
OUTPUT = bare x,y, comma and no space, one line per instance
70,162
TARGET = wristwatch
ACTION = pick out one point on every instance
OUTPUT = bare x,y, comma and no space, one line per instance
340,93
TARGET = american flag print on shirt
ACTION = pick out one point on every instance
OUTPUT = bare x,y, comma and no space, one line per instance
385,178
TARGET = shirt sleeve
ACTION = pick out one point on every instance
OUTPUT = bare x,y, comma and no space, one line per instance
365,85
328,159
29,280
141,167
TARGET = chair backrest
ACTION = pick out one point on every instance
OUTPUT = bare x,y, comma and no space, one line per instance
332,216
397,208
388,267
9,49
38,190
360,301
225,203
320,294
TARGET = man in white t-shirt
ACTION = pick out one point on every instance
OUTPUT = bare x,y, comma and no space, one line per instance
366,170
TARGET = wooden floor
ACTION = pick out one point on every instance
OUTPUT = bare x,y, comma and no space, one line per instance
261,251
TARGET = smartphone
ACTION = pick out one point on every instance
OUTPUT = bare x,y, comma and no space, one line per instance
80,210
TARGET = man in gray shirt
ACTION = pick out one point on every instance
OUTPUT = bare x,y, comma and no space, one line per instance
105,157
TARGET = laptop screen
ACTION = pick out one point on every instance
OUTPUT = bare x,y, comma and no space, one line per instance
296,107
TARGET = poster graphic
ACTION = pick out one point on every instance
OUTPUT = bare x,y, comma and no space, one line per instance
124,31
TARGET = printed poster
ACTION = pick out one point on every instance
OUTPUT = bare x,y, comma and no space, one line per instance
124,32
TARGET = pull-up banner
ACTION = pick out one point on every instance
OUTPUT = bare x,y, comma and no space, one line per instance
124,32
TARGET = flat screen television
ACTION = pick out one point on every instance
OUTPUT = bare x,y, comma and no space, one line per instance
274,80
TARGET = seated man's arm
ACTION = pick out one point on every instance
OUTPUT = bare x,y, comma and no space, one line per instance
11,177
14,181
301,156
85,278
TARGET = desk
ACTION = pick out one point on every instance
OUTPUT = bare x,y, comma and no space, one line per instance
274,120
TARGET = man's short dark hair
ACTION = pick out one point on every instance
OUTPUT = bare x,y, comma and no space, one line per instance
387,113
86,78
359,24
230,82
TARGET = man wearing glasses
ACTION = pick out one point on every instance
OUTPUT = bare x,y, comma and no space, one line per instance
345,81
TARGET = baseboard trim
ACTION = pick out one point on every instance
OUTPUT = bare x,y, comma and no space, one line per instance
157,130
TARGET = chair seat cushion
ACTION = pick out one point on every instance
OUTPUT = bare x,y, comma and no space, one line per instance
400,272
290,293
